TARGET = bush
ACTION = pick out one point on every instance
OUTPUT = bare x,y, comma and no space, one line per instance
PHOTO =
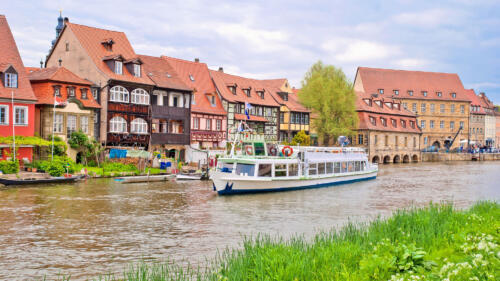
119,167
62,161
9,167
55,169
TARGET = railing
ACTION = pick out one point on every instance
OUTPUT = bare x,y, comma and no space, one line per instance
160,111
128,139
208,135
127,107
166,138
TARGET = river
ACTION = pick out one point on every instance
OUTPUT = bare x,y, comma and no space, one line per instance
101,226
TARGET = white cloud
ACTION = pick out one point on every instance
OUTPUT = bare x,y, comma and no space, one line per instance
412,63
355,50
431,18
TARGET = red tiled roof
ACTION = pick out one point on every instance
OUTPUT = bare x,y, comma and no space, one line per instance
42,81
293,100
162,73
475,100
222,80
9,56
60,74
202,84
389,80
91,39
252,118
486,102
366,124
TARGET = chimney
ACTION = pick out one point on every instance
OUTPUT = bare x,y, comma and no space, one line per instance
197,60
66,20
221,69
60,62
41,63
481,94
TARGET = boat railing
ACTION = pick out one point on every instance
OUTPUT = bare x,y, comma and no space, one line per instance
327,149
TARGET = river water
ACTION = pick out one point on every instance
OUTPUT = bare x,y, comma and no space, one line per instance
101,226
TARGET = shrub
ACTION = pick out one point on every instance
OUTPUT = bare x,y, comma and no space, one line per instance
9,167
118,167
55,169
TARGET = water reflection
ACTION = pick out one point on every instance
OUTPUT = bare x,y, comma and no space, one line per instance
100,226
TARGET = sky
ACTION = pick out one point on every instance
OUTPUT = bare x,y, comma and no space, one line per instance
282,39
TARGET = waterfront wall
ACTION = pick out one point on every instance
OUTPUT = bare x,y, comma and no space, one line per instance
440,157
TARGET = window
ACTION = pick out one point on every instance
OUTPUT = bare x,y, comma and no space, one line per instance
405,105
280,170
313,169
452,108
422,124
376,139
410,93
260,94
58,123
412,124
118,94
212,101
70,124
57,91
218,124
118,67
360,139
4,115
462,124
20,115
84,124
306,116
386,140
396,92
84,93
403,123
383,121
10,80
337,168
431,124
414,107
425,140
406,141
441,108
118,125
381,91
282,117
433,108
329,168
233,90
424,93
452,125
394,123
139,96
453,95
441,124
137,70
95,93
396,141
265,170
244,169
462,109
139,126
209,124
414,142
247,92
423,107
321,168
439,94
71,91
196,123
191,77
373,120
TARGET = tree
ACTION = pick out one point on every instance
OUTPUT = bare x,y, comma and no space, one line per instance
330,95
301,138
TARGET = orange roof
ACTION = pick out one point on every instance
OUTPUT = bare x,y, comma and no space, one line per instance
9,57
475,100
92,39
238,116
201,83
59,74
293,100
486,102
223,80
389,80
43,79
162,73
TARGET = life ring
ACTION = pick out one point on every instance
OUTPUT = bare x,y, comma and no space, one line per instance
249,150
287,151
273,151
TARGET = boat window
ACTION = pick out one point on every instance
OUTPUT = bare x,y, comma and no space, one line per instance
329,168
321,168
280,170
293,170
344,167
351,167
245,169
227,167
337,167
357,166
313,169
259,149
363,166
265,170
248,148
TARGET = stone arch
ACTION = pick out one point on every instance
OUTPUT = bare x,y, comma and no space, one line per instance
375,159
397,159
414,158
406,158
387,159
436,144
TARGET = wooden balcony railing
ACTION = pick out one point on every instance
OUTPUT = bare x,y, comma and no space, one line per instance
159,111
128,139
127,107
166,138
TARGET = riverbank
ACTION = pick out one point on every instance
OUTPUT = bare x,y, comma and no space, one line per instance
443,157
437,242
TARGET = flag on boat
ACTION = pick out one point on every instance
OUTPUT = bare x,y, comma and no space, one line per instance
248,106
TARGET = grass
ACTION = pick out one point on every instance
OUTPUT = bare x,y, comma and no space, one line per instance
433,243
114,170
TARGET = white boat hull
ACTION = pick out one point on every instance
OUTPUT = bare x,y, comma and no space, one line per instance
228,184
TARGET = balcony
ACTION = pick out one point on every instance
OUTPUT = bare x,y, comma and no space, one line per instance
127,107
166,138
128,139
208,135
160,111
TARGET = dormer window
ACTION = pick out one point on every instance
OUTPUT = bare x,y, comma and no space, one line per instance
388,104
403,123
383,121
412,124
424,93
137,70
247,92
373,120
381,91
439,94
57,90
396,92
261,95
71,91
378,103
108,44
10,80
191,77
118,67
396,106
394,123
232,89
368,101
84,93
453,95
410,93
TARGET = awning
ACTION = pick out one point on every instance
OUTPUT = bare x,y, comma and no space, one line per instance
252,118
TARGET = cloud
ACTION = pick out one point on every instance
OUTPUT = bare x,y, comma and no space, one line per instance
484,85
355,50
412,63
431,18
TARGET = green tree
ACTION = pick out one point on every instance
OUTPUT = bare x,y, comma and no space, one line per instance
80,142
301,138
330,95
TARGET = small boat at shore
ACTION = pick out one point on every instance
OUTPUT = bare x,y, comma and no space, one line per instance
29,181
261,166
138,179
183,177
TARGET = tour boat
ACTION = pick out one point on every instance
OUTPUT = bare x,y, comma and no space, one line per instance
261,166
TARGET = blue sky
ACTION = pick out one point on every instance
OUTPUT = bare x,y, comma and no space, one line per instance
274,39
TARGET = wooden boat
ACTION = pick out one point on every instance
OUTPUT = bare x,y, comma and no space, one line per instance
188,176
137,179
28,181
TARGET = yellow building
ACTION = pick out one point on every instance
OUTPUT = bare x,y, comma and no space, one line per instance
439,101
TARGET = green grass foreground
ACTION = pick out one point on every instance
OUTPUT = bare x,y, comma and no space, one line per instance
437,242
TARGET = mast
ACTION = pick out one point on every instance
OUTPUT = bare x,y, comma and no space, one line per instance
13,129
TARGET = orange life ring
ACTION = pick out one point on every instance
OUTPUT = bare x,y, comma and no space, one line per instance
249,150
287,151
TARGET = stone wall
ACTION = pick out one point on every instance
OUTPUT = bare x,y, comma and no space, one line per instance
440,157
